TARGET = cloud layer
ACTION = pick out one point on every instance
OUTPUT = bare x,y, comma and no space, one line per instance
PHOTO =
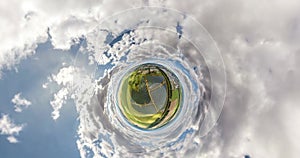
259,41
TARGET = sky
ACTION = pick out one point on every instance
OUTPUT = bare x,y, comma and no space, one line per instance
40,75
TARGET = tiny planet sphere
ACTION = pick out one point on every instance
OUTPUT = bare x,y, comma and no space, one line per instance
149,96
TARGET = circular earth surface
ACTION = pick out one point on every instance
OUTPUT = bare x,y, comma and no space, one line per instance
149,96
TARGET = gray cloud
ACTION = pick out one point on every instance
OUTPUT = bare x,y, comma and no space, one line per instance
259,41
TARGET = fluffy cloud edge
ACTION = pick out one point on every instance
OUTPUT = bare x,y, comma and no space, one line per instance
9,128
20,103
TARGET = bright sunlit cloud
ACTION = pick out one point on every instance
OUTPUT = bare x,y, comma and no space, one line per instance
20,102
9,128
258,39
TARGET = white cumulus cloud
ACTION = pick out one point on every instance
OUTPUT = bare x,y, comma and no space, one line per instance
64,78
71,81
20,102
59,99
258,39
9,128
12,139
30,22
